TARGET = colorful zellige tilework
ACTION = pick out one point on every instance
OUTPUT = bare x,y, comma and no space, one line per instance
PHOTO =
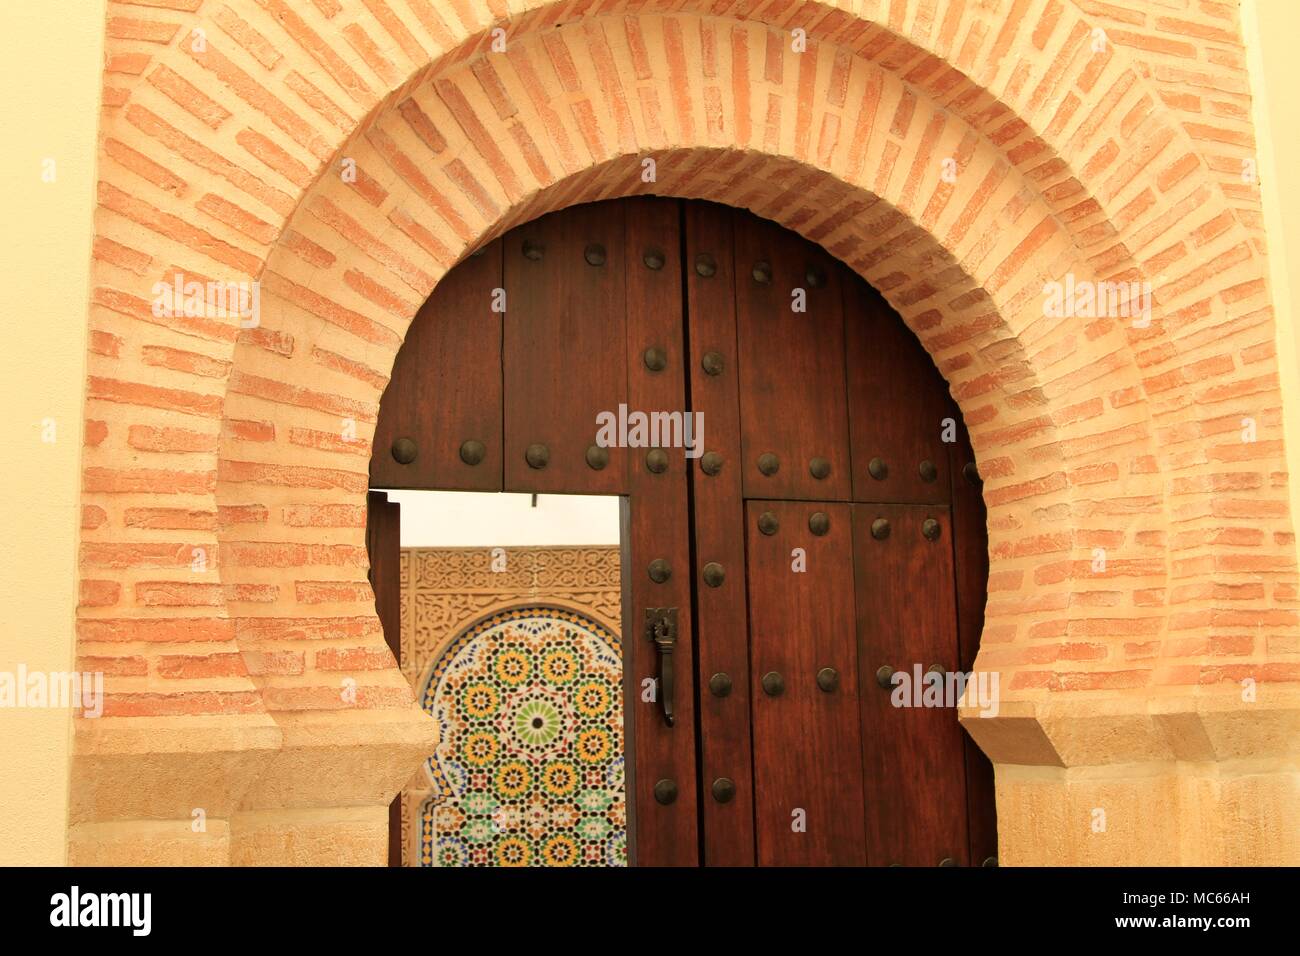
529,768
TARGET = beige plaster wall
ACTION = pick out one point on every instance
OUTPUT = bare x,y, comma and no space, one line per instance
50,74
1269,28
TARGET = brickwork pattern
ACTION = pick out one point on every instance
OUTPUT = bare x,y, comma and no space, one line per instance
229,134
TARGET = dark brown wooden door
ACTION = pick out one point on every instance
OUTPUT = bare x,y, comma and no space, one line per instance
822,403
827,525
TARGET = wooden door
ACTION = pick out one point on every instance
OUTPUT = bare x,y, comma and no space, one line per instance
822,404
828,525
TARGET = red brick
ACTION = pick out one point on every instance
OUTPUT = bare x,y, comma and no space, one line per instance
192,666
332,592
354,659
99,593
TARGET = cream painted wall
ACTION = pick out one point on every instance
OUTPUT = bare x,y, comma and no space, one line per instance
50,69
1269,27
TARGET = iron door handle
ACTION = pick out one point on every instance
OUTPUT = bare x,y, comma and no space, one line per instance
661,627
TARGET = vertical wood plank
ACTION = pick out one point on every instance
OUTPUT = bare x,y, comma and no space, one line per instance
666,834
793,397
719,529
897,400
565,346
913,755
446,386
807,752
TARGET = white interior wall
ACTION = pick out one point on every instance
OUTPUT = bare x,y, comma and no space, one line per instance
464,519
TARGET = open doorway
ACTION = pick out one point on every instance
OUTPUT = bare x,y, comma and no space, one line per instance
510,616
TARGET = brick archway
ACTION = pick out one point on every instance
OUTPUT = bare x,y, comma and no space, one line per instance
1120,686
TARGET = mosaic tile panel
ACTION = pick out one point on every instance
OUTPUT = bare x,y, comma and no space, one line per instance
529,771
